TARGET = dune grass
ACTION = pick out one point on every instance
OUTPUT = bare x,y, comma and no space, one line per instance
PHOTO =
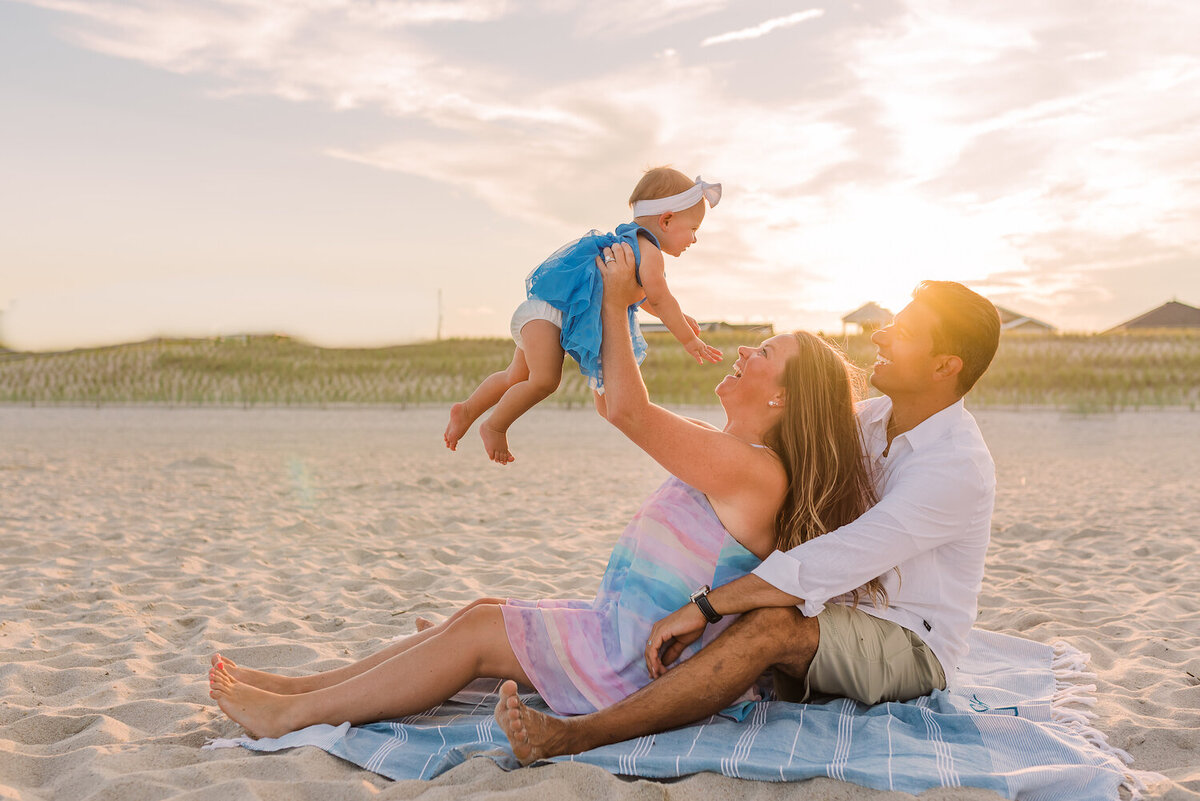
1086,373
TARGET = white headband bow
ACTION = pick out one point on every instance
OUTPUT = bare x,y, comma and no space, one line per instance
684,200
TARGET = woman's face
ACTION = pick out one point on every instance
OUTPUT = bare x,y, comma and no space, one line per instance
758,372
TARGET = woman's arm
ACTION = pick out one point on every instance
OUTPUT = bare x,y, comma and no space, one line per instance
718,464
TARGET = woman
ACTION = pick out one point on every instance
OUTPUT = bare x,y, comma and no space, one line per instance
785,468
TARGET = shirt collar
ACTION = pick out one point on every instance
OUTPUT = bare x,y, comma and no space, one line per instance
933,427
874,416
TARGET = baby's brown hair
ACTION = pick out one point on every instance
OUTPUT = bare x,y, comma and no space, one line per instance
661,182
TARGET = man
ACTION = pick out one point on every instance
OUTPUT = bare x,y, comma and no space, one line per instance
926,537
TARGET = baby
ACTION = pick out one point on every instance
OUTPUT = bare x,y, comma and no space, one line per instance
562,312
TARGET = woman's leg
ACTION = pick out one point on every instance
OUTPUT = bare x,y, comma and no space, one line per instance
289,685
544,358
411,681
485,396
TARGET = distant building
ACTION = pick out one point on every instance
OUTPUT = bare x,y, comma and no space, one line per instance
761,329
868,318
1171,314
1017,323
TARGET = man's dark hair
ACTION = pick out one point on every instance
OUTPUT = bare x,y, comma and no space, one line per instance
968,327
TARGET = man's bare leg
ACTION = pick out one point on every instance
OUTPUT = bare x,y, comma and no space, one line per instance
702,686
291,685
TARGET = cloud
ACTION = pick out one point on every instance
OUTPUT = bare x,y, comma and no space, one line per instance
763,28
1055,133
626,16
931,140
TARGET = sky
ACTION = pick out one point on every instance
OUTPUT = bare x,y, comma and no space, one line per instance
367,172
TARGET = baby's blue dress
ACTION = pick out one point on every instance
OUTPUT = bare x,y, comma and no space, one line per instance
570,282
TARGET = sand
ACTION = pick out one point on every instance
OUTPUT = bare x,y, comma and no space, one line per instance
135,541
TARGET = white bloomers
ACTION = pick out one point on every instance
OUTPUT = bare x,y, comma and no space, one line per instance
532,309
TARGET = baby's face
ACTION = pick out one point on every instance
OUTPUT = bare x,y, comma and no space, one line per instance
679,229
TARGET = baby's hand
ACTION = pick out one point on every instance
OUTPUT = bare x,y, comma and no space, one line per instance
692,324
700,351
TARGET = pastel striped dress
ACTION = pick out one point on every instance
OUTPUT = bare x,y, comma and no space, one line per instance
585,655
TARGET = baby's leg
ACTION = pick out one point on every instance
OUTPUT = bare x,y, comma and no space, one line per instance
485,396
544,358
290,685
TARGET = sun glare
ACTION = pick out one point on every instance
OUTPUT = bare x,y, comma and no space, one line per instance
878,247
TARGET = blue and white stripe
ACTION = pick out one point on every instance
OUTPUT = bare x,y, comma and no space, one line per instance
1001,728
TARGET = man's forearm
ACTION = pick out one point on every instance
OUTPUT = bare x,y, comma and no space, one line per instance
749,592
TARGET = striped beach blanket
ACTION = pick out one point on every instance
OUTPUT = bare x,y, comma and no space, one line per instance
1015,721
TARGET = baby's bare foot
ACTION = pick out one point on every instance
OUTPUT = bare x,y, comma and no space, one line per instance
261,713
270,682
460,421
424,623
496,444
531,734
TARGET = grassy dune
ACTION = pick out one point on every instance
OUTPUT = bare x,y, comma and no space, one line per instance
1075,372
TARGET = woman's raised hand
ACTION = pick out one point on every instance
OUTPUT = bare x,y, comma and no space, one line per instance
619,270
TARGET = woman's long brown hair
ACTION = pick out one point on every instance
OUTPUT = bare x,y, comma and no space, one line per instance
819,442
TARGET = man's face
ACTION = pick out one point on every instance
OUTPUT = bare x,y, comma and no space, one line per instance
906,363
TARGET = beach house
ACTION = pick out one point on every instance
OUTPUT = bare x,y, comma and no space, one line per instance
1171,314
868,317
1012,322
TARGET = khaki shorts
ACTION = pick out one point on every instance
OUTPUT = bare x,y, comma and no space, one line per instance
865,658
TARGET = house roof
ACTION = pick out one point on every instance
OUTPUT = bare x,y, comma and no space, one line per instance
869,313
1010,320
1171,314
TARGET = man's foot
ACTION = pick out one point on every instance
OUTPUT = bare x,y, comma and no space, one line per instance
281,685
531,734
262,713
460,421
496,444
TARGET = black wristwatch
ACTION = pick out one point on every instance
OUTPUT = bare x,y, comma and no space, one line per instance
700,599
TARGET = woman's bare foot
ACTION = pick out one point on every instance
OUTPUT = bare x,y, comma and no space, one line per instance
424,623
271,682
496,444
531,734
460,421
262,713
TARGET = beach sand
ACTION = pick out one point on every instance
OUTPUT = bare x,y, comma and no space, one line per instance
136,541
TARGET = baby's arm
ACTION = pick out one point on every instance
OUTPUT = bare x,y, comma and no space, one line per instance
691,321
664,306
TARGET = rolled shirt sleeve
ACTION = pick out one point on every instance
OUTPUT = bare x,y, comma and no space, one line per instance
922,510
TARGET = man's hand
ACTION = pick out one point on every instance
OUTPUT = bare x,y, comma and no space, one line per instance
676,631
701,351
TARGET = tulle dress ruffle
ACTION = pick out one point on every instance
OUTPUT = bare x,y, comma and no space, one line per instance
570,282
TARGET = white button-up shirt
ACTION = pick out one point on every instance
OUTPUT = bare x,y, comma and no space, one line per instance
936,488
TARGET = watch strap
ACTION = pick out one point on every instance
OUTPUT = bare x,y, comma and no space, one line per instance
706,608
